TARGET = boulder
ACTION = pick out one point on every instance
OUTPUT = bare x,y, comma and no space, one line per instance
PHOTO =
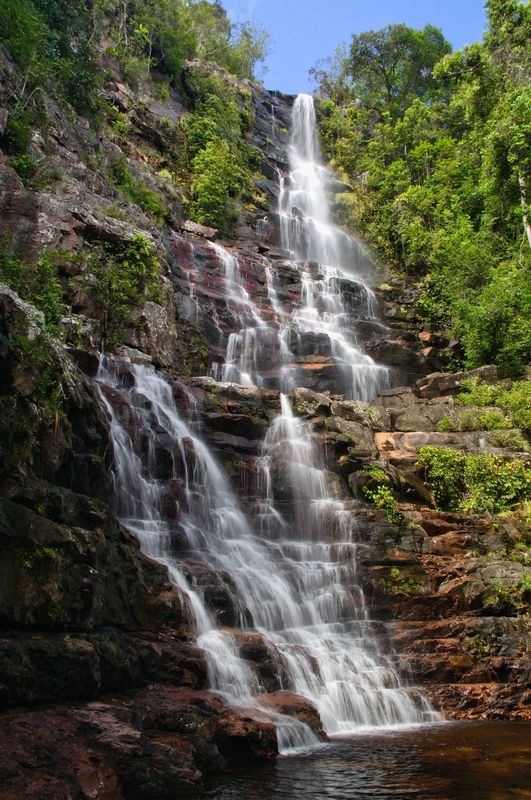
154,332
442,383
199,230
307,403
294,705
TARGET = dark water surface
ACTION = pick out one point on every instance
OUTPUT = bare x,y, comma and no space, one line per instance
451,761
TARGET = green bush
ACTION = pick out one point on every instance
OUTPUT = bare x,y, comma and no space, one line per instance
133,189
515,400
17,135
396,583
48,393
380,495
127,275
222,161
475,483
217,179
503,599
53,43
490,420
25,165
36,282
511,440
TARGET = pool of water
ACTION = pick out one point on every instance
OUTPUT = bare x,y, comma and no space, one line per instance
450,761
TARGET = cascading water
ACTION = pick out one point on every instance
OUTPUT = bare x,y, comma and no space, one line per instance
326,257
291,560
206,520
293,580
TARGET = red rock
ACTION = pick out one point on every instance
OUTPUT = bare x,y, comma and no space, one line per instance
294,705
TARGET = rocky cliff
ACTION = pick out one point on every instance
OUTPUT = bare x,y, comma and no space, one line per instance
104,692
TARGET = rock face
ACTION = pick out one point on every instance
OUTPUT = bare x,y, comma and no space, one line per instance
156,742
85,615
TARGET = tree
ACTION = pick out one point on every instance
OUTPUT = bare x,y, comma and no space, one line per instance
508,38
390,67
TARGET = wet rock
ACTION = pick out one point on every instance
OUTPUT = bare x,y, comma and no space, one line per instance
349,438
263,659
371,416
420,417
294,705
154,333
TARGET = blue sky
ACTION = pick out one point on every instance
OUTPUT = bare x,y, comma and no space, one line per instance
304,31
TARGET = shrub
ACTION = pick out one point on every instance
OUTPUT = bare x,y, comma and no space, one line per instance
511,440
475,483
217,179
48,392
380,495
222,162
17,135
490,420
395,583
149,201
36,282
127,275
515,400
503,599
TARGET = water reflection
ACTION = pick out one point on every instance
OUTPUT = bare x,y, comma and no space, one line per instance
454,761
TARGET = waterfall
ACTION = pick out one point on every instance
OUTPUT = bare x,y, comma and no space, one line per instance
192,510
267,342
288,562
291,580
326,258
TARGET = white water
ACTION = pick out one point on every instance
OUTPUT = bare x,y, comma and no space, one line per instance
294,581
325,257
206,512
292,563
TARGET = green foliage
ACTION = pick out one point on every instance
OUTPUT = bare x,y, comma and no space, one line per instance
390,67
504,599
17,135
37,354
222,161
51,42
127,275
510,440
521,553
46,557
380,495
514,400
475,483
395,583
217,178
489,420
25,165
168,33
497,327
441,176
136,192
36,282
479,645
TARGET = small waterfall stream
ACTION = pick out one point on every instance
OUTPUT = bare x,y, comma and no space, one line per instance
291,559
325,256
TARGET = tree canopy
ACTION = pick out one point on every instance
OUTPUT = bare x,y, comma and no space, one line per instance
436,147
